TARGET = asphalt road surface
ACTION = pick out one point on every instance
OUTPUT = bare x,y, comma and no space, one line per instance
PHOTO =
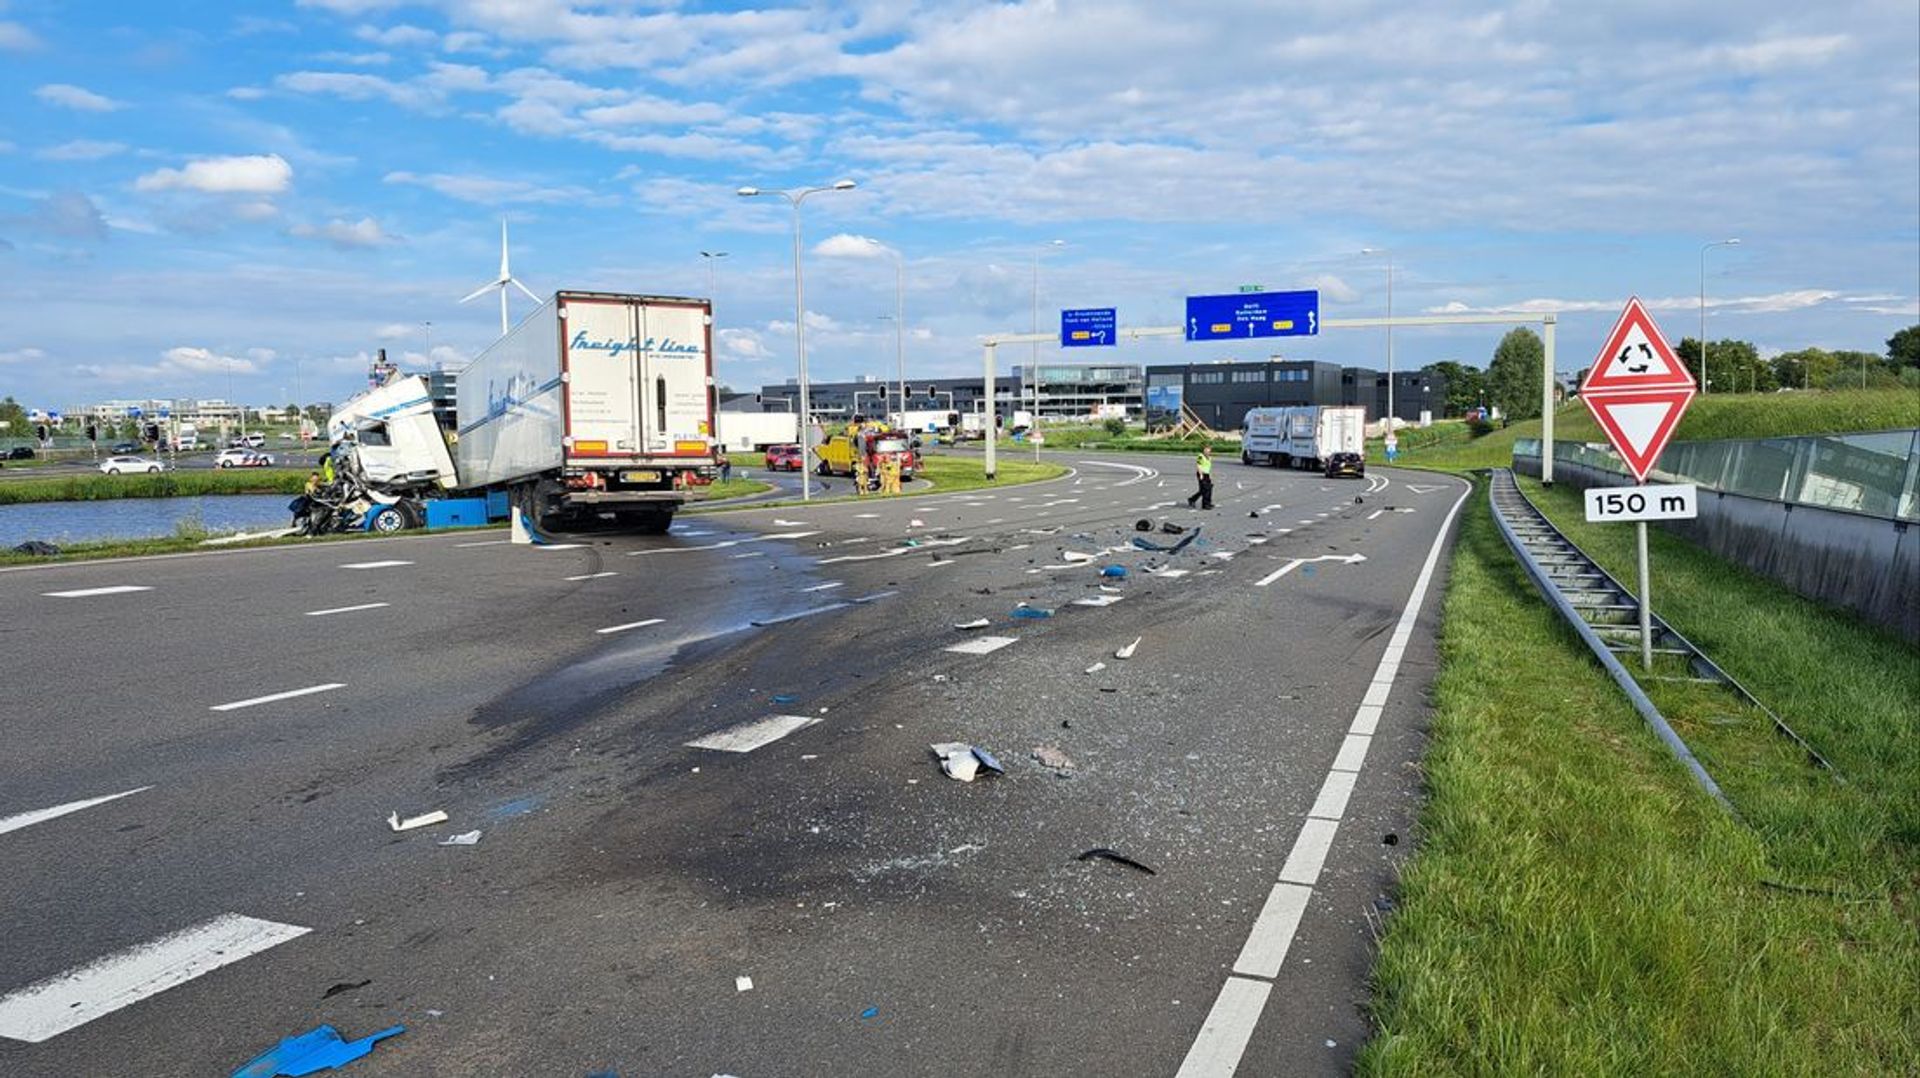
712,836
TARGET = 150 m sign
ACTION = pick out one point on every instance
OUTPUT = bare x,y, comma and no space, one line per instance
1612,505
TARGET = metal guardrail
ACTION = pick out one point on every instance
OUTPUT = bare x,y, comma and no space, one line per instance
1606,615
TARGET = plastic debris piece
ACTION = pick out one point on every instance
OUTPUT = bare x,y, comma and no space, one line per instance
1161,548
1118,858
1096,668
318,1049
784,698
870,1013
425,819
916,523
465,838
987,761
743,984
1052,756
1143,525
977,623
957,760
1076,556
1024,611
1098,600
1127,652
1114,572
343,986
1168,527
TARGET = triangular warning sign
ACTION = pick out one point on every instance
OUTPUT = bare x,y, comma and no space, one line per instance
1638,423
1635,356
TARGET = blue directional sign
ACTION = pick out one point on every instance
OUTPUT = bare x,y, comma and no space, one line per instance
1253,314
1088,328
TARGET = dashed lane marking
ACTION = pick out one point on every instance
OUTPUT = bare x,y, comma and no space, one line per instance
983,645
28,819
349,609
278,696
390,564
593,576
88,593
828,586
67,1000
488,542
628,625
749,736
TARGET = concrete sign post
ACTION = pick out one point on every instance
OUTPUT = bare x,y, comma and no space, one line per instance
1637,390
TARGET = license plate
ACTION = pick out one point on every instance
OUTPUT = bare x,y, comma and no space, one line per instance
640,477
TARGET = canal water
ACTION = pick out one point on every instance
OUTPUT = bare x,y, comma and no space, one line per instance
141,518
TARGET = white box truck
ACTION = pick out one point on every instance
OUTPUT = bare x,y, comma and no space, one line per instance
596,404
744,432
1322,437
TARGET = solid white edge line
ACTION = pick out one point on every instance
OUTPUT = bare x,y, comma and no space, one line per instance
288,695
1273,931
1353,753
592,576
28,819
628,625
66,1000
1309,852
391,563
345,609
1229,1026
87,593
1331,804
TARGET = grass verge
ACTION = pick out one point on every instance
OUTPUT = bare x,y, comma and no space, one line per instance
97,487
1577,906
945,474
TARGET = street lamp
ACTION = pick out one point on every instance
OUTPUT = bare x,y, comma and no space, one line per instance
1033,354
1703,305
794,198
1389,257
429,327
899,322
711,257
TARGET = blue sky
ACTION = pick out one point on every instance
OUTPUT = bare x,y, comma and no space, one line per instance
251,194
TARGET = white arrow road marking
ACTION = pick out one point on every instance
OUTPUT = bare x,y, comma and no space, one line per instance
1350,559
88,593
28,819
1418,489
78,996
288,695
1391,509
749,736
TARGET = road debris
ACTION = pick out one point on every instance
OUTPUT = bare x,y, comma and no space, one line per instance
1114,572
344,986
963,761
1127,652
1096,668
318,1049
465,838
1118,858
977,623
1098,600
1051,756
1168,527
1161,548
38,549
1143,525
1025,611
425,819
1076,556
743,984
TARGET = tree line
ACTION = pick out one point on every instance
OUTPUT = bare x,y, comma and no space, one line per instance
1511,380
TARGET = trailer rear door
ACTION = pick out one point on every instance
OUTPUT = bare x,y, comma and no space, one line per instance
637,379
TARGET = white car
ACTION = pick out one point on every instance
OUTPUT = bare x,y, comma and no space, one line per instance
116,465
242,458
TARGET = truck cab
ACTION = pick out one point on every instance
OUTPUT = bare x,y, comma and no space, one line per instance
875,442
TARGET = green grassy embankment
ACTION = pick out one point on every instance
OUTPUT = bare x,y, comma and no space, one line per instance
1578,906
95,486
944,474
1729,415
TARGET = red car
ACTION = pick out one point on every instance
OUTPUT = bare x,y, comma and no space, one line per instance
785,458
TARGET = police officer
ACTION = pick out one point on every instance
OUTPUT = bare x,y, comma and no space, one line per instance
1203,473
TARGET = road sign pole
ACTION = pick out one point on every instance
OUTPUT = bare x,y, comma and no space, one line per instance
987,412
1546,402
1646,600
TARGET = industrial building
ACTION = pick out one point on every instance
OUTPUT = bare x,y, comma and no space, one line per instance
1063,391
1220,394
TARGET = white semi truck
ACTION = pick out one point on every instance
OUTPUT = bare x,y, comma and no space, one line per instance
596,405
1322,437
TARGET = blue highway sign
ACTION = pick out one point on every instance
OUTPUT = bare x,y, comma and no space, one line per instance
1088,328
1253,314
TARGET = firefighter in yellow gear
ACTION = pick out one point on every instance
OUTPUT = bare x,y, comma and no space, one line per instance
890,476
859,472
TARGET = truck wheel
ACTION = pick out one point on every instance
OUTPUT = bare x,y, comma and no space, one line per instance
387,519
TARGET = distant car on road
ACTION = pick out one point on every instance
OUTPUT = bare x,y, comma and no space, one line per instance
785,458
125,448
1340,464
242,458
116,465
20,452
252,440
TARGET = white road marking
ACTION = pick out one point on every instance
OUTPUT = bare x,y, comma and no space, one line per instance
749,736
721,545
374,564
88,593
691,534
558,546
1417,489
1098,600
1140,474
288,695
1295,563
1376,513
345,609
895,552
778,523
1266,946
866,516
1173,574
78,996
783,535
593,576
1223,1039
628,625
828,586
28,819
983,645
489,542
751,554
1229,1026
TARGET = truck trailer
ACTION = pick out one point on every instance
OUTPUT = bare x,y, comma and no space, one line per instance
1322,437
596,405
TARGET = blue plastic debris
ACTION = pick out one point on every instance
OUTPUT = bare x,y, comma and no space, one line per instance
1161,548
1117,572
987,760
1031,612
870,1013
785,698
318,1049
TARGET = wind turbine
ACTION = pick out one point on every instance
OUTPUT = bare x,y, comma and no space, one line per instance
506,278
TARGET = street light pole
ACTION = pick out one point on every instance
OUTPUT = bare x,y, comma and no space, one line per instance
1703,305
794,199
1389,254
1033,350
899,323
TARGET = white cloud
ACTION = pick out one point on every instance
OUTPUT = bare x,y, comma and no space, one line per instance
848,245
67,215
1331,287
353,86
1779,52
354,59
394,331
349,7
254,210
74,97
22,355
366,232
17,38
81,149
257,174
185,359
488,191
741,344
396,37
246,93
1770,303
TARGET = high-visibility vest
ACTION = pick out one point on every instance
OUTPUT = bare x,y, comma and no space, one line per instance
1203,464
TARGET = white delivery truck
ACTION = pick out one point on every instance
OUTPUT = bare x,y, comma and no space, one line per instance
744,432
596,404
1322,437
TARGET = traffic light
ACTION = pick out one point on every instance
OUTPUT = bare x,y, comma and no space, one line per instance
152,432
93,433
41,430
